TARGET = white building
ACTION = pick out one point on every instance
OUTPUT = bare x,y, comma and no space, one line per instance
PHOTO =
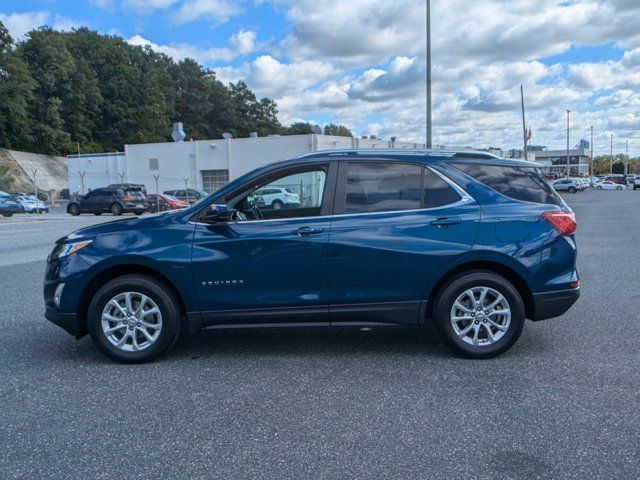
203,164
555,161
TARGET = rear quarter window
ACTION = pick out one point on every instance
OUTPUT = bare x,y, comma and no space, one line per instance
526,184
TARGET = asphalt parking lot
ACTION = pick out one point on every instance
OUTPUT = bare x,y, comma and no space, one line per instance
322,403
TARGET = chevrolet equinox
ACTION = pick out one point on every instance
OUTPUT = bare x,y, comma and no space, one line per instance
469,241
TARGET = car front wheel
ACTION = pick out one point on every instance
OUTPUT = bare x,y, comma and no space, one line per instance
479,315
277,205
134,319
74,209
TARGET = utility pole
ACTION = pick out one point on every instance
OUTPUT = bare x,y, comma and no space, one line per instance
568,164
186,187
524,124
429,124
34,172
591,161
611,157
157,176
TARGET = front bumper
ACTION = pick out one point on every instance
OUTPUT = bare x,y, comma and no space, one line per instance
66,321
553,304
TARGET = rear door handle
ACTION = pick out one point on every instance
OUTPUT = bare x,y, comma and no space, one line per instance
446,221
307,231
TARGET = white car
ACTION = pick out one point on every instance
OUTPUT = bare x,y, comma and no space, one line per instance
30,204
277,197
609,185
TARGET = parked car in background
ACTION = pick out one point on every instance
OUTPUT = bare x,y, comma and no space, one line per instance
570,185
192,196
30,204
109,200
9,206
130,187
382,238
636,182
164,202
43,197
619,179
278,197
609,185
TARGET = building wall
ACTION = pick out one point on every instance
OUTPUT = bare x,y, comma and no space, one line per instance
100,170
180,161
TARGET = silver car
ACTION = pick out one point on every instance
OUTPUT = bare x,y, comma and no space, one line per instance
571,185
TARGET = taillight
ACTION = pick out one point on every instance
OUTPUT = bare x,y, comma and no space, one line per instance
563,222
128,198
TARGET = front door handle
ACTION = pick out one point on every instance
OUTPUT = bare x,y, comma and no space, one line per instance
307,231
446,221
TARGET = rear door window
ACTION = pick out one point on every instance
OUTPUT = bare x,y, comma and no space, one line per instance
526,184
382,187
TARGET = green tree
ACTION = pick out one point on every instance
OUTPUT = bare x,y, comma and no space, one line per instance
299,128
16,93
337,130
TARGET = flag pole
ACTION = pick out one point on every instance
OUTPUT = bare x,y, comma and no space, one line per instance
524,127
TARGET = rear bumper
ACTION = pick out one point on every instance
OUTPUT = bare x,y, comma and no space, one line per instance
553,304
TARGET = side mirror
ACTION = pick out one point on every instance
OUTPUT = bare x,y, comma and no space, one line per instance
218,214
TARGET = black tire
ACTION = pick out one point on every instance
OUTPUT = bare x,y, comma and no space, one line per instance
277,205
449,294
156,291
116,209
138,213
598,188
97,213
571,190
74,209
618,188
7,214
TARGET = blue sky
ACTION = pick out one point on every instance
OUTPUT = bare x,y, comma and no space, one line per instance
361,63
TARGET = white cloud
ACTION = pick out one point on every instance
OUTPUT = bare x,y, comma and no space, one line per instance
241,43
19,24
145,5
215,11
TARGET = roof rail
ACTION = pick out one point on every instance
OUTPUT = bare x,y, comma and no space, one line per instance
397,151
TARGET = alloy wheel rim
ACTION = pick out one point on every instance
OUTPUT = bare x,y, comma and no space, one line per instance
480,316
131,321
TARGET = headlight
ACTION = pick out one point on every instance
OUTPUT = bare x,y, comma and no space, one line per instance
67,249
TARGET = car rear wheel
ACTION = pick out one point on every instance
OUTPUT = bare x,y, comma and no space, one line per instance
116,209
74,209
97,214
479,315
572,190
138,213
598,188
134,319
7,214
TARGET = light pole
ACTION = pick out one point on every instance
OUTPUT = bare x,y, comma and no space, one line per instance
568,164
429,124
524,124
591,161
611,157
82,174
626,158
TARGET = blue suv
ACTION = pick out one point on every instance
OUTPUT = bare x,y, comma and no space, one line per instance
472,242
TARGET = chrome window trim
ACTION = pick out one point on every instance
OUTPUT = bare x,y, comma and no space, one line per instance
464,200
